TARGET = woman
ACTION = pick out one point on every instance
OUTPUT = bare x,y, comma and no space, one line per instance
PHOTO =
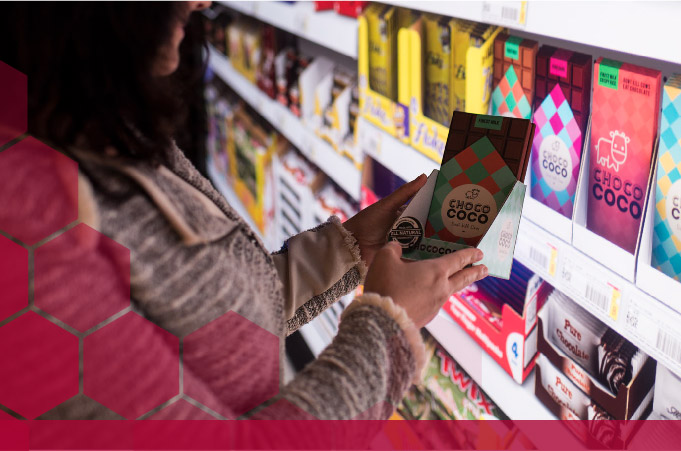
100,90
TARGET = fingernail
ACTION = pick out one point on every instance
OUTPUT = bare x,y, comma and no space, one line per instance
485,271
479,255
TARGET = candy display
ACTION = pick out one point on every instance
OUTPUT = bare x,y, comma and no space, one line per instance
624,119
514,72
667,231
563,94
601,351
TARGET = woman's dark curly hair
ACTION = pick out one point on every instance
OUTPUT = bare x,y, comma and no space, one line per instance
89,68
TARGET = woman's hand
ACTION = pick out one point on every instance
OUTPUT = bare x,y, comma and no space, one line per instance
422,287
370,226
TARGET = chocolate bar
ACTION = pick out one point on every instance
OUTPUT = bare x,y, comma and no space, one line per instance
626,101
511,138
618,360
570,70
563,88
667,235
513,76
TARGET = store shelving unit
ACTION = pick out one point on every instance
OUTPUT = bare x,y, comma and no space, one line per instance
323,27
644,30
648,29
339,168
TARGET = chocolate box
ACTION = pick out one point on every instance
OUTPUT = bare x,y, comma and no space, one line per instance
508,336
562,98
596,429
623,406
513,75
625,112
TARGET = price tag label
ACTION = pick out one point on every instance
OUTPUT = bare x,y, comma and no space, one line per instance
553,260
615,300
512,14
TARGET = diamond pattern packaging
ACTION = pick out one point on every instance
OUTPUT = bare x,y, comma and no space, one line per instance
469,192
563,87
667,235
624,118
514,73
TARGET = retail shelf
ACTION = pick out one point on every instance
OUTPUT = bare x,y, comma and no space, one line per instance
515,400
400,158
223,187
644,320
648,29
326,28
315,336
339,168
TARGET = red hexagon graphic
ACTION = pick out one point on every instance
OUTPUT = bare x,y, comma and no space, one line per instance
13,277
181,410
38,190
82,277
38,365
236,359
131,365
4,416
13,103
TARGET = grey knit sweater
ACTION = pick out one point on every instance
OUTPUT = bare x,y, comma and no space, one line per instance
193,259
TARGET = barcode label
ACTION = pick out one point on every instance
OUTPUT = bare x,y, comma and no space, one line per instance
509,13
597,297
505,13
669,345
539,257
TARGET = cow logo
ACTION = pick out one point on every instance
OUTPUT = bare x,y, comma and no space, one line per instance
407,231
612,153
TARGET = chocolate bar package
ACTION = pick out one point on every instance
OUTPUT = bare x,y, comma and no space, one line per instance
382,24
438,68
471,65
602,352
514,72
563,391
667,231
483,159
626,103
575,331
562,98
667,400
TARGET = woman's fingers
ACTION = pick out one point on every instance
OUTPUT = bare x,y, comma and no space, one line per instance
458,260
405,192
466,277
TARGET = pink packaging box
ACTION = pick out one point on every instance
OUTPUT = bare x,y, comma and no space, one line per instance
624,121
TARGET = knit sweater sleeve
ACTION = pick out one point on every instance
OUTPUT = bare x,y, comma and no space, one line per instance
365,371
316,268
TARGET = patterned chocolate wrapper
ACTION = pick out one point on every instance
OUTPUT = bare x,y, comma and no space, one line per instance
556,153
667,236
509,99
470,190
